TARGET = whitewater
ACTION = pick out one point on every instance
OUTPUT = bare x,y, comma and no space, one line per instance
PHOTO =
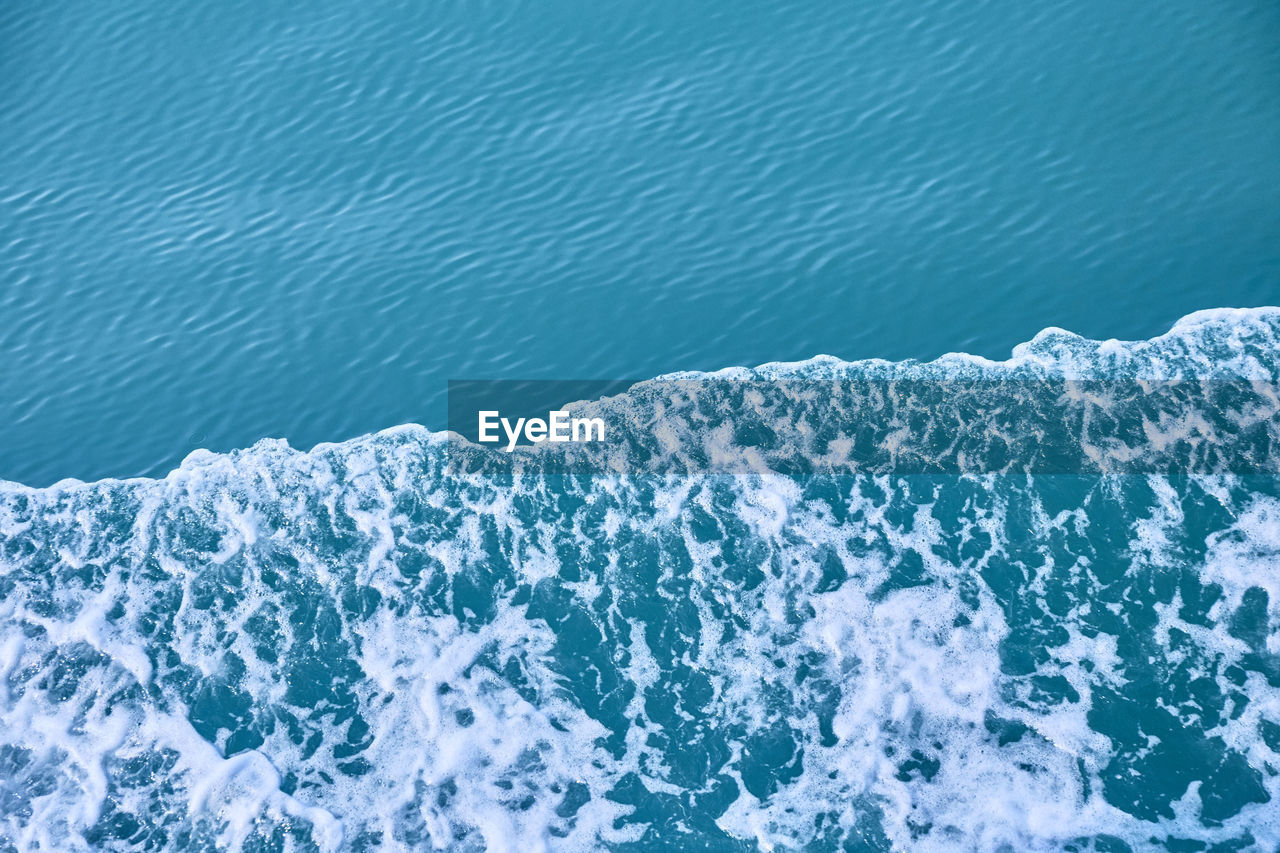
956,646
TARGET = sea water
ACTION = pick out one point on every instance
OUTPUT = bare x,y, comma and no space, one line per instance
221,222
369,646
243,247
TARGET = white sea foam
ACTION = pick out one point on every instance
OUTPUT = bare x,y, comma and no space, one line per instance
407,657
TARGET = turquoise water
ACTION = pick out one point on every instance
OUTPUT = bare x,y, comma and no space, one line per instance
887,600
225,222
370,647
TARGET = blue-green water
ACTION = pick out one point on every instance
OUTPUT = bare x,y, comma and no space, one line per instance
224,227
366,647
224,222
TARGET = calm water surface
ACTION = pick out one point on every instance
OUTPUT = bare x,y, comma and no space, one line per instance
220,222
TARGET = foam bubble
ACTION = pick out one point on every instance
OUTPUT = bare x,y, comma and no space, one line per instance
360,648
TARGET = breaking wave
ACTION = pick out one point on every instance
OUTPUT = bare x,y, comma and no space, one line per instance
365,647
